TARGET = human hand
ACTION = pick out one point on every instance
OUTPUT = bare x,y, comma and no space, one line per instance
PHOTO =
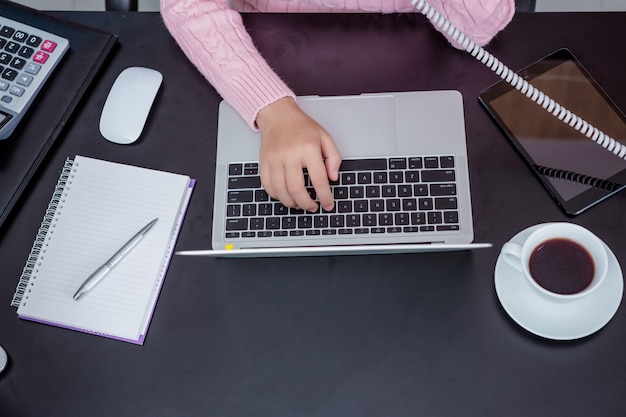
291,141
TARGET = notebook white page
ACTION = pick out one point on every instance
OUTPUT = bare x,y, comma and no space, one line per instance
103,205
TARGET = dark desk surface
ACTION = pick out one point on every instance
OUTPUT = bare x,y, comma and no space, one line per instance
396,335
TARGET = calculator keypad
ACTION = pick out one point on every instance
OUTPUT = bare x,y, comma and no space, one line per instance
28,55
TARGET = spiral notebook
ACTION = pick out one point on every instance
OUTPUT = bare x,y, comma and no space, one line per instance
95,208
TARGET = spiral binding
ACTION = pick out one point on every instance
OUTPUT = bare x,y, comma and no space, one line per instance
45,231
508,75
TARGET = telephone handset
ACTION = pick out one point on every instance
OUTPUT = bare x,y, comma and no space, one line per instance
508,75
553,140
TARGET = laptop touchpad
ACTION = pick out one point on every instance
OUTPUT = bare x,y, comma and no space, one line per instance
360,125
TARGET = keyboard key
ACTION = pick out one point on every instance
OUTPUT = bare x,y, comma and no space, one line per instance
233,210
289,222
348,178
448,227
440,175
450,216
237,224
257,223
337,220
369,220
446,162
265,209
416,163
240,196
248,210
364,178
397,163
420,190
431,162
442,189
434,217
443,203
377,164
357,192
320,222
425,203
372,191
244,182
235,169
344,206
361,206
418,218
380,178
396,177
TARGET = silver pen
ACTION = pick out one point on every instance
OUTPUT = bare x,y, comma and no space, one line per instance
95,278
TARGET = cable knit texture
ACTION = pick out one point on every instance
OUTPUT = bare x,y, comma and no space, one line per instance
212,35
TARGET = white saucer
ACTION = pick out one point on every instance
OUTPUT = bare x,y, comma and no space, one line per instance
3,359
552,319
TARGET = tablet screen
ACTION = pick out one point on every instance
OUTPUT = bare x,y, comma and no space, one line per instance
577,171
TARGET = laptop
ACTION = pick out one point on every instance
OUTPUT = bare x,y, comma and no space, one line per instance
403,187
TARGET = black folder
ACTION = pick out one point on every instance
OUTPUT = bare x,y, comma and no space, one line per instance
23,152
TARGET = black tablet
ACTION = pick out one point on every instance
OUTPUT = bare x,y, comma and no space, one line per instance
577,172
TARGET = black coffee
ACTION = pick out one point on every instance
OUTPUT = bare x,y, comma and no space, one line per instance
561,266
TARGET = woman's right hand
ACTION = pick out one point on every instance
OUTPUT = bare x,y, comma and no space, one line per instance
291,141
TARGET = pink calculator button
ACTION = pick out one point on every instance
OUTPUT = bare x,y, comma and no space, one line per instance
40,57
48,46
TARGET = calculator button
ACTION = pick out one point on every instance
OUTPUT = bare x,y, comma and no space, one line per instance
48,46
20,36
12,47
4,86
26,52
9,74
40,57
7,31
16,91
33,41
6,99
18,63
24,80
4,58
32,68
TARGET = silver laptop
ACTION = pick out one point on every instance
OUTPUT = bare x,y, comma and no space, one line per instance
404,184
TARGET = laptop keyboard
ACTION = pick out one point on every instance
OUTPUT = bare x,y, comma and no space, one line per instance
372,196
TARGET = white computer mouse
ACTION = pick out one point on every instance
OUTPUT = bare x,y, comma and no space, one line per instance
128,104
3,359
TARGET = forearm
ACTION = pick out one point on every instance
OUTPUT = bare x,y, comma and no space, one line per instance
215,40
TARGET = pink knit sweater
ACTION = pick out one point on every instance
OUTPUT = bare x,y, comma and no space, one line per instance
212,35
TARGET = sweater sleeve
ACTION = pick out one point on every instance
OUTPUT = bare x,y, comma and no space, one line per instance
481,20
213,37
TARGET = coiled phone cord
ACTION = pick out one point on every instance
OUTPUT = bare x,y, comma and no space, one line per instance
508,75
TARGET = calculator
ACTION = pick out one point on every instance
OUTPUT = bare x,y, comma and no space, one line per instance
28,55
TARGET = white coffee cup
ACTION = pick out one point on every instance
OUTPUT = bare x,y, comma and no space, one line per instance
558,254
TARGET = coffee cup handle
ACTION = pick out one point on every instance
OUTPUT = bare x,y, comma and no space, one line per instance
512,254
